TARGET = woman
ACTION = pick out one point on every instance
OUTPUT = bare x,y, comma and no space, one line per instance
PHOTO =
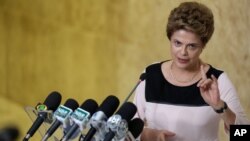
183,99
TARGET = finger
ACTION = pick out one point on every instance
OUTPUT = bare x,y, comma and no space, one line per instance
206,83
168,133
203,74
214,79
161,137
200,82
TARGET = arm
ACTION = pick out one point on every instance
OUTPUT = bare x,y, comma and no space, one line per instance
230,96
216,92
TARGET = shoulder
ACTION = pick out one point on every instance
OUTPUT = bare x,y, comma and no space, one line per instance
154,66
222,77
214,71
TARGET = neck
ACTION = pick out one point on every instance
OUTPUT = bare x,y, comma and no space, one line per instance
184,75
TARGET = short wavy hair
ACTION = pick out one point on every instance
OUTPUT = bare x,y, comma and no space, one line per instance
194,17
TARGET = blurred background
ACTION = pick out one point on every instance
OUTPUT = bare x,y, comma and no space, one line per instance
94,48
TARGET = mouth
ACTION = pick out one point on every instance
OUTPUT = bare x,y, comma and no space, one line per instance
183,61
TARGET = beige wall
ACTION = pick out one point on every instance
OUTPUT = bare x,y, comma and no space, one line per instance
94,48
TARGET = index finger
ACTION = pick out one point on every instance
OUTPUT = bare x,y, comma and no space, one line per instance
203,74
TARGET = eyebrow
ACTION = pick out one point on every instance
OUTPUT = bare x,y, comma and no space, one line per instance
194,44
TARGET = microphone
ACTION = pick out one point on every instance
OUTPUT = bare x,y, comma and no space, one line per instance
117,125
61,116
135,127
106,109
80,117
51,103
142,77
9,133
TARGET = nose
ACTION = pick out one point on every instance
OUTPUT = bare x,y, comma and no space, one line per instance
184,50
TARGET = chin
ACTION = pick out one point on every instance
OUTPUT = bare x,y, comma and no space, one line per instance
183,65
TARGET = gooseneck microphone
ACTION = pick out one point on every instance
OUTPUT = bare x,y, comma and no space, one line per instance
117,125
51,103
142,77
97,121
80,118
61,116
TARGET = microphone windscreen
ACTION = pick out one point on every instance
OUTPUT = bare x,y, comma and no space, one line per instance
71,103
143,76
89,105
127,111
9,133
53,100
135,126
109,105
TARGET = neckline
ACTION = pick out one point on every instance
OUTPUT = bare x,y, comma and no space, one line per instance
182,81
180,86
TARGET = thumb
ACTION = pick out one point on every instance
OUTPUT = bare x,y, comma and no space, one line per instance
168,133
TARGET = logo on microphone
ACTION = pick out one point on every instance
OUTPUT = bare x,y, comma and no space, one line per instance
62,112
115,119
117,125
41,107
80,114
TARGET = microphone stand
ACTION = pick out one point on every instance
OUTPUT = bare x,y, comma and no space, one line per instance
142,77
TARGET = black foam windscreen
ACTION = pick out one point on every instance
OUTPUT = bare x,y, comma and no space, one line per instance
89,105
127,111
135,126
9,133
53,100
109,105
71,103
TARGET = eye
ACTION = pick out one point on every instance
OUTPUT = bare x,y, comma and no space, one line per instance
192,46
177,43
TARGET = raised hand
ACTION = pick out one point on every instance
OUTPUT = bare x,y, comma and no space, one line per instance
209,89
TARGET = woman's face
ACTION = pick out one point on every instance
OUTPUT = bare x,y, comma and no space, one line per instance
186,48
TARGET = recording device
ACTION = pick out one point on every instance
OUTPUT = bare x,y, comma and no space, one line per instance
80,118
9,133
97,121
142,77
61,117
50,104
117,125
135,127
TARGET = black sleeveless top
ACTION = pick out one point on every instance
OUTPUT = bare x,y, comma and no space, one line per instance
159,90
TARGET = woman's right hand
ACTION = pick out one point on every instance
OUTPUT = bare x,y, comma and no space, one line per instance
149,134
